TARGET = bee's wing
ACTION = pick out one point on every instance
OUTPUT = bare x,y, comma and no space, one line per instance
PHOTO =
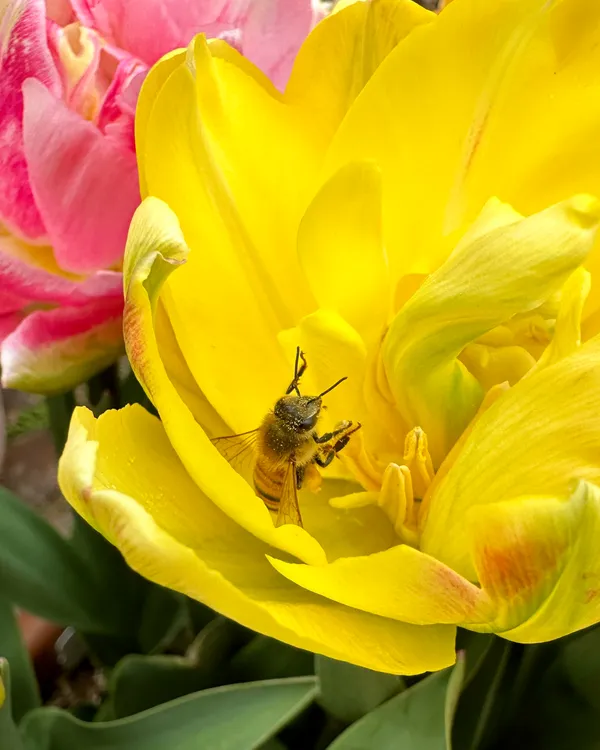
289,510
239,450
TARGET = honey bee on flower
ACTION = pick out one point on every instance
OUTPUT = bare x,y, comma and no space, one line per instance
287,447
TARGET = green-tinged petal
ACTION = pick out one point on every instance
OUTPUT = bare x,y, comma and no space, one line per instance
342,53
511,269
454,123
340,245
401,583
567,330
537,559
52,351
155,247
574,602
536,440
143,501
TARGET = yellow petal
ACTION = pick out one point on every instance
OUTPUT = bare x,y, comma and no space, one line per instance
342,53
401,583
333,350
567,331
537,559
512,269
340,245
242,284
496,364
155,247
143,501
535,440
153,82
460,111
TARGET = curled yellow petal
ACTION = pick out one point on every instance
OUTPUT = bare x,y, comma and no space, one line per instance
488,278
536,440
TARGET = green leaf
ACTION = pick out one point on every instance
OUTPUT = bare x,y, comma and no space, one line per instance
24,688
9,734
42,573
560,709
415,719
480,707
348,692
141,682
235,717
60,408
163,617
267,659
580,662
150,616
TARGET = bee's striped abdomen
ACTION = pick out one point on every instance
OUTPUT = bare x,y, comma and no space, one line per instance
268,484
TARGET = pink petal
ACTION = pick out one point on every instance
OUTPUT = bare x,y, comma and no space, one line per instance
85,184
8,323
54,350
26,276
269,32
23,53
59,11
117,112
273,33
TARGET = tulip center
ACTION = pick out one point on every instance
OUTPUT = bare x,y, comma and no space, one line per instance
401,486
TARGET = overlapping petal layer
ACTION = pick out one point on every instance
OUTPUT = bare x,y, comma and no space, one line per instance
171,532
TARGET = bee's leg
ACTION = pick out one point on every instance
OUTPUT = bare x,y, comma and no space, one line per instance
334,433
324,460
340,444
299,476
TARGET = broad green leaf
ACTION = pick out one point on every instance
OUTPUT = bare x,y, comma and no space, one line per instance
267,659
348,692
163,616
580,661
235,717
415,719
453,692
485,696
24,688
475,647
141,682
560,710
9,735
151,616
42,573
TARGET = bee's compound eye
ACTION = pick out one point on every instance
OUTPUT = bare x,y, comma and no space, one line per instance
309,422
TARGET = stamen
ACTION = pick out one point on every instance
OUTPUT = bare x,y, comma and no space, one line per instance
416,456
396,499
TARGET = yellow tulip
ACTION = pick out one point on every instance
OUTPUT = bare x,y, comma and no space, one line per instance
414,212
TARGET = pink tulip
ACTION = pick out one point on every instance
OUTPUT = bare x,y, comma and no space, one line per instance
70,72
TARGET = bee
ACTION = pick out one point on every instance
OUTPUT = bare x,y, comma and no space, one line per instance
286,449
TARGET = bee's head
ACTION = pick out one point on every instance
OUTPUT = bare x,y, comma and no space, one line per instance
301,413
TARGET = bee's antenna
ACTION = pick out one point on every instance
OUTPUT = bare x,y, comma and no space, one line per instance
298,372
331,387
